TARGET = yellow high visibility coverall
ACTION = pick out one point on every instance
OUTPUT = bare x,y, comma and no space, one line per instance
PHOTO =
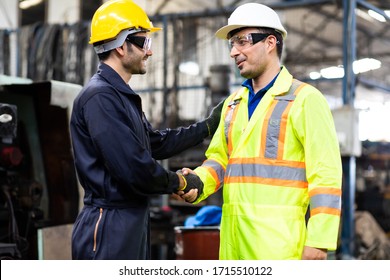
272,167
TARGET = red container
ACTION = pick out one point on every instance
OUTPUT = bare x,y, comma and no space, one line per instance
197,243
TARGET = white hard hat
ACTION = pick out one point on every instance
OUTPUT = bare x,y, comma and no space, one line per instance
252,15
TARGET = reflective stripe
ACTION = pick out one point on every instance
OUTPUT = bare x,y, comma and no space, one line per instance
229,117
266,181
265,161
324,190
280,173
325,200
267,171
275,125
216,170
273,130
325,210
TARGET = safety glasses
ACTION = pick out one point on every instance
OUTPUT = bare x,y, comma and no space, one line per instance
241,42
142,42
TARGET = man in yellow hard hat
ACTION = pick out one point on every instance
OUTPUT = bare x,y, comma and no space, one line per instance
275,152
115,147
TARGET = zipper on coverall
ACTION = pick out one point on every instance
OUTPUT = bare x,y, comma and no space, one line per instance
96,229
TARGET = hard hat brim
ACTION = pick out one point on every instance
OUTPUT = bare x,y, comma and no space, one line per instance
223,32
155,29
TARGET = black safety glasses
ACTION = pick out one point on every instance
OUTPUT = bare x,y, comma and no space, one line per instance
142,42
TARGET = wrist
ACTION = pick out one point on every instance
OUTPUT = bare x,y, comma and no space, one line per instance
182,187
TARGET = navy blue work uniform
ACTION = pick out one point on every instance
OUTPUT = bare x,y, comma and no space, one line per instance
115,153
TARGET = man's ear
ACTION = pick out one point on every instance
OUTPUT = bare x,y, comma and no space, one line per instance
120,50
272,41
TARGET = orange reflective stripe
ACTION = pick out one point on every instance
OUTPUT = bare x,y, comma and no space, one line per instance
267,161
283,127
216,170
324,190
267,181
275,123
325,210
213,173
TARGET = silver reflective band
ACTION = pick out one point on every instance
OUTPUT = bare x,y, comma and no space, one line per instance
218,168
274,129
325,200
264,171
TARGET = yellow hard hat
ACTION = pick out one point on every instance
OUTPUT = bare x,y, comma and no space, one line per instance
115,16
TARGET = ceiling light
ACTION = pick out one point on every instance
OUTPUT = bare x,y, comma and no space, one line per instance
332,72
376,16
190,68
358,66
29,3
365,64
364,15
315,75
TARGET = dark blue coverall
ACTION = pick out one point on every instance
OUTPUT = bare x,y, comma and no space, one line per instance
115,153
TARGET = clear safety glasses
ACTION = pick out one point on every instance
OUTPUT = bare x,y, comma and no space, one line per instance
241,42
142,42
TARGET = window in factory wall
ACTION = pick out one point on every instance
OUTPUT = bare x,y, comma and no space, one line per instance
373,122
32,11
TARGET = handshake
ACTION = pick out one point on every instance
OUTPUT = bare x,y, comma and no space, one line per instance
191,187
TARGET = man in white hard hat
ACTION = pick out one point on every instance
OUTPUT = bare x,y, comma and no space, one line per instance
275,152
115,147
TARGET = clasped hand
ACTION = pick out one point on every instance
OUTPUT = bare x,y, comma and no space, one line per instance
191,184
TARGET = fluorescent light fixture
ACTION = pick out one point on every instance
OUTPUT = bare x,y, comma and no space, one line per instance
364,15
190,68
358,66
315,75
332,72
365,65
28,3
376,16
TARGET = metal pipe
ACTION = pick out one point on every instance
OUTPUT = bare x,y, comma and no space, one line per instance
229,10
349,162
165,71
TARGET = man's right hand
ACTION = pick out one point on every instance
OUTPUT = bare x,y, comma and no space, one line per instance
190,185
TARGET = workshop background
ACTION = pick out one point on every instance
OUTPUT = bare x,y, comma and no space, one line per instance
340,46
